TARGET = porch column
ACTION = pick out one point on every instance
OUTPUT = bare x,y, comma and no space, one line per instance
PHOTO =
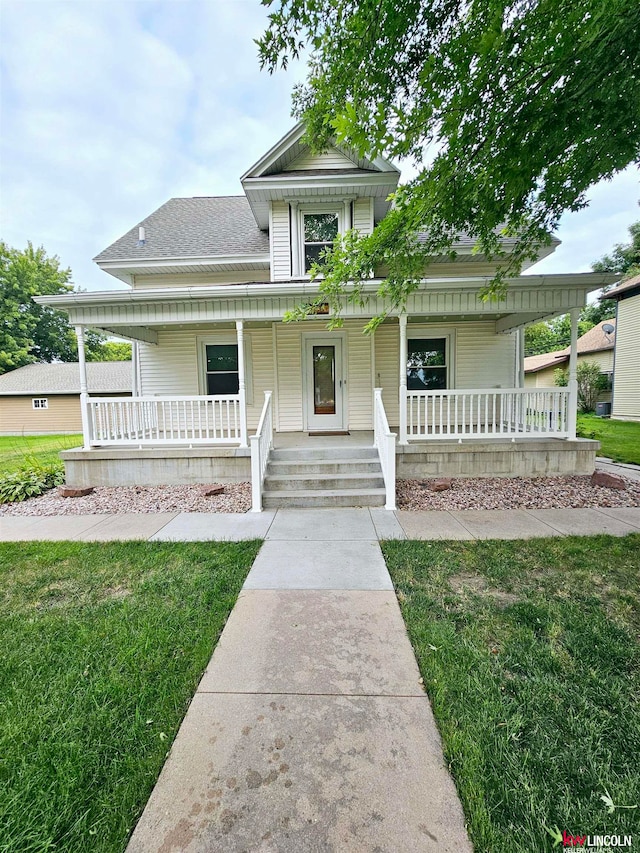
403,379
573,374
242,390
135,387
521,357
84,394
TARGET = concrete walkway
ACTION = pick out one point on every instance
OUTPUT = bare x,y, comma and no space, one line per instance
433,524
310,730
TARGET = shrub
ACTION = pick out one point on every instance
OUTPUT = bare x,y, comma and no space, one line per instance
29,481
591,383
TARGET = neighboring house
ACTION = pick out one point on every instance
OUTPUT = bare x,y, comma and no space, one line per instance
208,282
41,399
626,371
595,346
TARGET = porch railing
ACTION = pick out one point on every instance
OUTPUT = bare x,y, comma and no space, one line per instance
490,413
164,420
261,444
385,442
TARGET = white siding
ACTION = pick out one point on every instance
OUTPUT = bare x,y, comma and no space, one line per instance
363,215
280,241
289,355
330,159
479,358
143,282
626,382
357,367
172,366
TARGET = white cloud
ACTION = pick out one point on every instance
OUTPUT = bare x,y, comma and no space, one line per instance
109,108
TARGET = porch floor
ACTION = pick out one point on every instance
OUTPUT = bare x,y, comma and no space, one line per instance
356,438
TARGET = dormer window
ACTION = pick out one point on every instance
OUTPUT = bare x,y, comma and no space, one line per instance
320,230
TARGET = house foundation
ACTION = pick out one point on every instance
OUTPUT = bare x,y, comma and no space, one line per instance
156,466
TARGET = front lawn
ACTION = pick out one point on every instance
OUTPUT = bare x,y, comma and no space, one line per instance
530,655
19,450
102,649
620,440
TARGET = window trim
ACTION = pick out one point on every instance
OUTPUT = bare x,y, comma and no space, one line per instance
39,401
421,333
224,339
306,209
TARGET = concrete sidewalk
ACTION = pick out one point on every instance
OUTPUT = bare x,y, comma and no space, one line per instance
402,524
310,730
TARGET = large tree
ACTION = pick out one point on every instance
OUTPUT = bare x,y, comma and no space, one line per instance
624,258
31,332
510,109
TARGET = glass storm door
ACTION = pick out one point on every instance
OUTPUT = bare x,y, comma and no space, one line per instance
325,384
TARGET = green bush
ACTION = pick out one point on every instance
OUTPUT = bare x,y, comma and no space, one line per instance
29,481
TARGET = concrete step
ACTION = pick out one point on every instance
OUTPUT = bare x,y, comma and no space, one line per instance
305,481
320,498
323,466
303,454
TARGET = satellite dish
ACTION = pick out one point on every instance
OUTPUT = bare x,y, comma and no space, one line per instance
608,329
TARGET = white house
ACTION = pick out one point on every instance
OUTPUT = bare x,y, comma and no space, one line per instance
218,370
626,380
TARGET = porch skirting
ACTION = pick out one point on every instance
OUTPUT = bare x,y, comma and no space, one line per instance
548,457
155,466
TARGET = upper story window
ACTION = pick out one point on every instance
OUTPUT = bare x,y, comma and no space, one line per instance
40,403
426,364
320,230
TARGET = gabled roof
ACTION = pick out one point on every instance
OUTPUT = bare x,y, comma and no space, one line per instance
193,228
595,340
103,377
625,288
534,363
288,149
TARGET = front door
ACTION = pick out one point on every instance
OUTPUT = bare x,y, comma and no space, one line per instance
325,384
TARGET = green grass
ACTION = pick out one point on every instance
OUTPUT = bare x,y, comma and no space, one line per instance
530,654
620,440
102,649
19,450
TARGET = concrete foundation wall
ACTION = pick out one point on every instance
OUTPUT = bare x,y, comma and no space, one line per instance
522,458
156,466
184,466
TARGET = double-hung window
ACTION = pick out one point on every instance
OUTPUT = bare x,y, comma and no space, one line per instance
221,369
426,364
319,232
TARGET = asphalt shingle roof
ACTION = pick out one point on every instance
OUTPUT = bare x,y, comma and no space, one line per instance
103,377
193,227
594,340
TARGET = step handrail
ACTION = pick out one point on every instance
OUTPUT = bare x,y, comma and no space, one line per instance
261,446
385,442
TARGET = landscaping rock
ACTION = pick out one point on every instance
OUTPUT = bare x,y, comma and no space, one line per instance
439,485
209,491
70,492
608,481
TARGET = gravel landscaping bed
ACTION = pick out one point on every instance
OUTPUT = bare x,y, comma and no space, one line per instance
235,498
515,493
478,493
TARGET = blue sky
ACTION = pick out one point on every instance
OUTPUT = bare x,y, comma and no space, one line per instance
110,108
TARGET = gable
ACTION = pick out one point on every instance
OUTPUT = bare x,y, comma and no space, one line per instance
330,159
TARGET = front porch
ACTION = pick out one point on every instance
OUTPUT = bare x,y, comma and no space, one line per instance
218,380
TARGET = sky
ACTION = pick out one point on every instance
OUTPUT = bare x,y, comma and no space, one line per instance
110,107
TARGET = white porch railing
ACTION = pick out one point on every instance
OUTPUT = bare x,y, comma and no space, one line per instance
490,413
261,444
385,442
165,420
